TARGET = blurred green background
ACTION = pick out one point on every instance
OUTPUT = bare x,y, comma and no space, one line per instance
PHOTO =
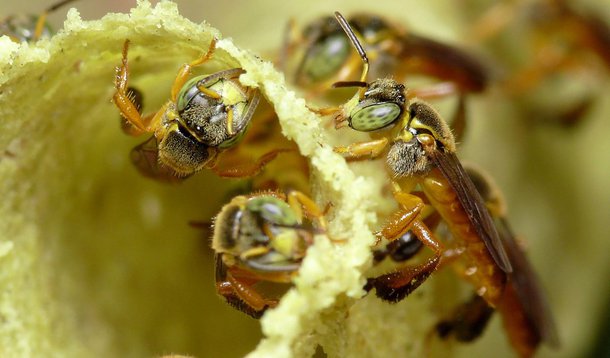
555,179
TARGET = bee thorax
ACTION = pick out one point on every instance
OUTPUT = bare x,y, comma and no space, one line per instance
407,158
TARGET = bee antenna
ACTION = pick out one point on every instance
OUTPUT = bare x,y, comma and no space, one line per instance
342,84
352,37
58,5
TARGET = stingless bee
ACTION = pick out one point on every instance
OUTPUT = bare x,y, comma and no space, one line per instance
523,306
205,116
552,23
262,237
421,152
562,42
325,56
29,28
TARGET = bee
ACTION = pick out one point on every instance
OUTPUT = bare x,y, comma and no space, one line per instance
205,116
29,28
421,153
326,56
523,306
562,42
581,31
262,237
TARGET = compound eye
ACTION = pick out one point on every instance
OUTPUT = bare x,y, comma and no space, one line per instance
326,57
375,116
233,140
188,91
273,210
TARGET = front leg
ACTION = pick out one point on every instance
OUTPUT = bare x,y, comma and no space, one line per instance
126,100
249,169
185,71
401,221
363,150
395,286
299,202
436,91
467,322
238,291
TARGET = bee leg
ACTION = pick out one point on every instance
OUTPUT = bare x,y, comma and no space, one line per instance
363,150
401,221
399,250
438,90
568,117
326,111
494,20
185,70
238,291
550,60
243,297
135,96
594,33
42,19
395,286
126,100
408,245
250,169
339,118
467,322
528,78
289,39
230,114
299,201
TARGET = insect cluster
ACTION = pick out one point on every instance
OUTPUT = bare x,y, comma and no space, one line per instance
446,213
451,210
211,122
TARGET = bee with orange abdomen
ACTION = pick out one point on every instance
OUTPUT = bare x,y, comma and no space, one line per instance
563,48
420,151
523,306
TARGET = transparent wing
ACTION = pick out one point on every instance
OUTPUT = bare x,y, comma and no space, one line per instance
526,284
145,157
473,204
